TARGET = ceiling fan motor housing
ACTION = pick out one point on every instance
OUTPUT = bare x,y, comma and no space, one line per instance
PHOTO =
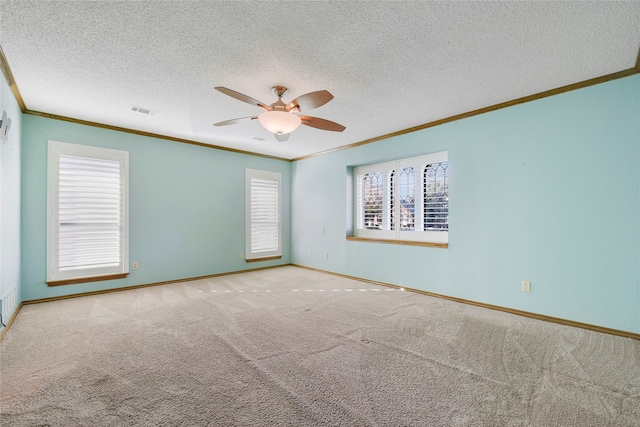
279,91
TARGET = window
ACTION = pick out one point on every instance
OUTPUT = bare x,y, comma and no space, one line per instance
87,214
263,219
404,200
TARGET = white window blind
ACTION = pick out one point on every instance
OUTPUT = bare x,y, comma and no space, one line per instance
90,213
407,199
263,214
87,211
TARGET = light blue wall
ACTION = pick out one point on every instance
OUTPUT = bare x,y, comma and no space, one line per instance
10,203
186,206
546,191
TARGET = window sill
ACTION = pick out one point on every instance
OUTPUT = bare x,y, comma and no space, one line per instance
398,242
269,258
86,279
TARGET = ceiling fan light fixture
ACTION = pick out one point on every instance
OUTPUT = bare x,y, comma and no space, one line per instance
279,122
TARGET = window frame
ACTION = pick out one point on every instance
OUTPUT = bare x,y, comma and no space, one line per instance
358,172
276,253
54,275
397,235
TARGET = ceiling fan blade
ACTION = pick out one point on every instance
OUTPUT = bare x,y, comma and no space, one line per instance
281,137
323,124
310,100
242,97
234,121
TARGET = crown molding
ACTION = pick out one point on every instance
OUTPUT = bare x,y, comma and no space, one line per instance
148,134
524,99
6,70
8,75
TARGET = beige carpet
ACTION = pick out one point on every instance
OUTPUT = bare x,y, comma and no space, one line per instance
292,347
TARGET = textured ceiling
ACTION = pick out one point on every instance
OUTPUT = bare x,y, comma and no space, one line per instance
390,65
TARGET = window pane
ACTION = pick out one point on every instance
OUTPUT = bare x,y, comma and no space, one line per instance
90,213
392,201
372,196
404,200
87,211
436,197
407,197
264,215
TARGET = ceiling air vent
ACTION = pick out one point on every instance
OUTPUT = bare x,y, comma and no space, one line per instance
143,110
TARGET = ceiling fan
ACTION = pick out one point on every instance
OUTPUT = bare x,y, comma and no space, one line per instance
279,118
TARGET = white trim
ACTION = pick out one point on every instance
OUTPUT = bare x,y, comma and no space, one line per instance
56,149
386,233
274,177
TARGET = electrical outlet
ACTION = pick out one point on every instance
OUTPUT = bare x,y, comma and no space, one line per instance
326,255
324,231
309,252
526,286
134,265
241,255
